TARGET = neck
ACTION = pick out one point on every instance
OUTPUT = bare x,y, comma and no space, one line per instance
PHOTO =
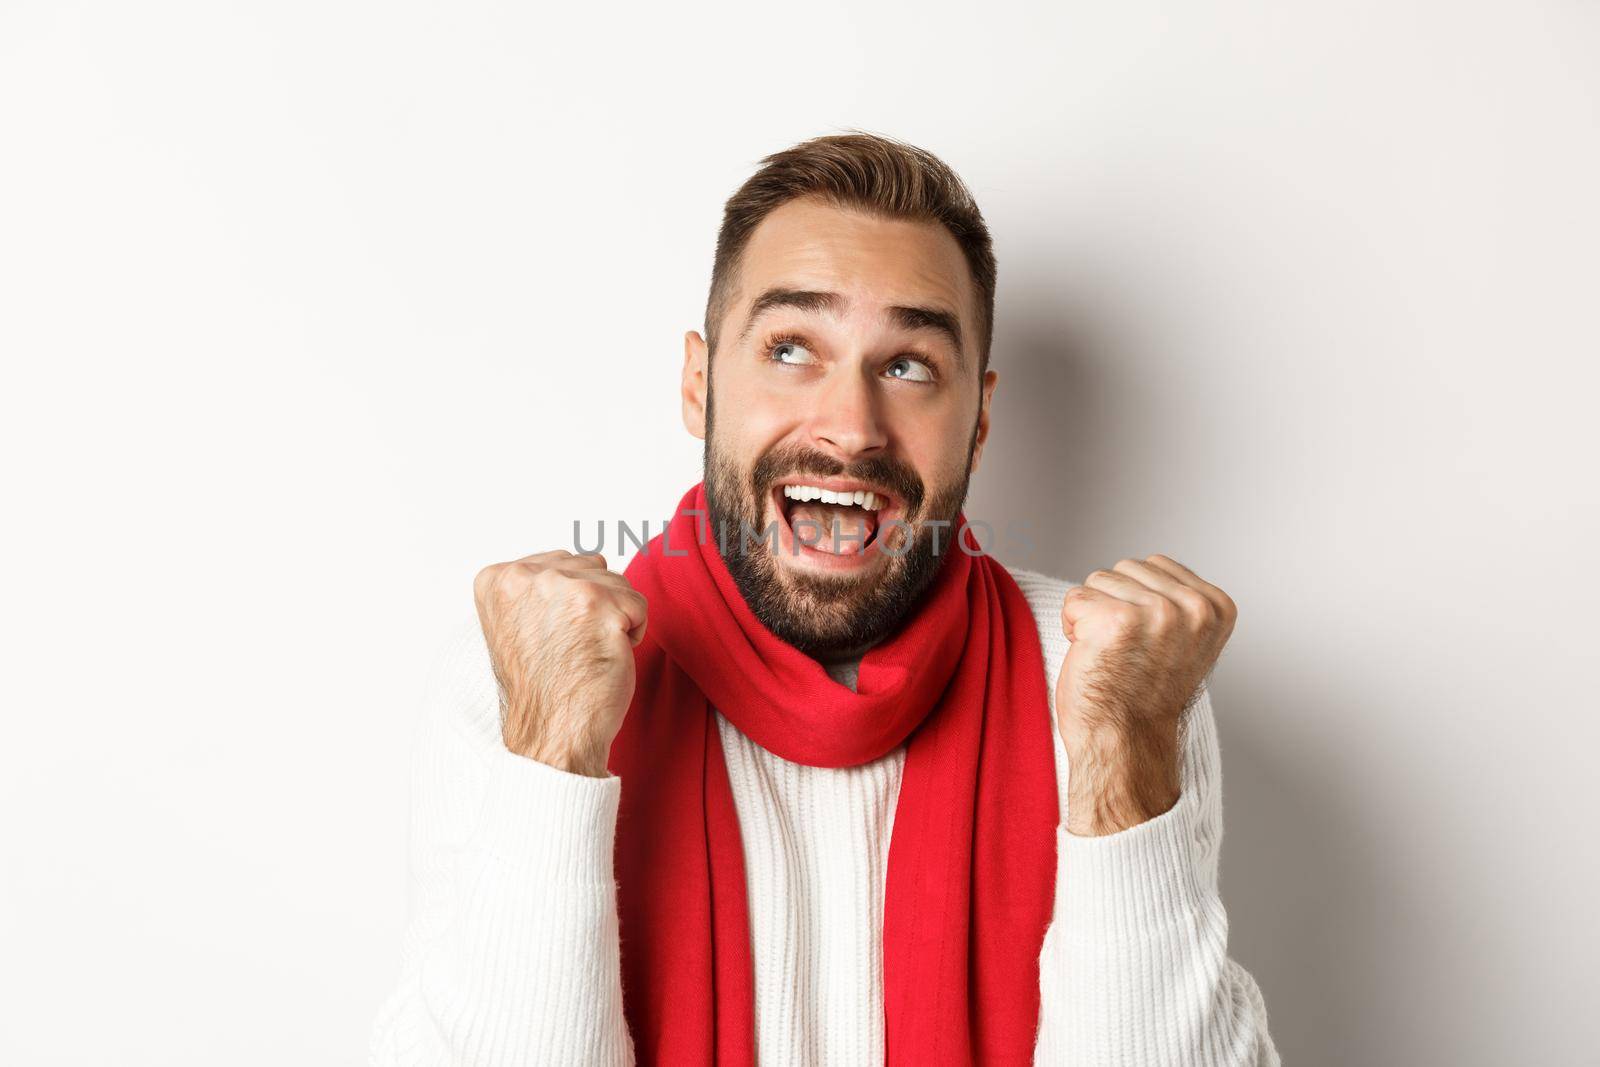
844,655
844,666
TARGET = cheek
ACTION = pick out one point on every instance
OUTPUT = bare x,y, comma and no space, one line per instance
935,443
743,402
751,419
745,429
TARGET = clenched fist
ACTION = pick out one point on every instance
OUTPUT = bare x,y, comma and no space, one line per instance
561,630
1144,636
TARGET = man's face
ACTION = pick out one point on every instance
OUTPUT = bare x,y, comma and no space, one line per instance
847,362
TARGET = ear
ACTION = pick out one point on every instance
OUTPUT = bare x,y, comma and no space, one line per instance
990,380
693,387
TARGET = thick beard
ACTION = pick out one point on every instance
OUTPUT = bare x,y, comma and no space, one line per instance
826,616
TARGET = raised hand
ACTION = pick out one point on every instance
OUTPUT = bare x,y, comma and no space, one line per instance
1144,636
561,631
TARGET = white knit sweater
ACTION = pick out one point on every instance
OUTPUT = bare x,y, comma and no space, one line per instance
511,956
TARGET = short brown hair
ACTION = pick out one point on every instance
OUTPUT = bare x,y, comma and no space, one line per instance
865,171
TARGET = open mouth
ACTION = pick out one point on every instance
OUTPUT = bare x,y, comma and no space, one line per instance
831,521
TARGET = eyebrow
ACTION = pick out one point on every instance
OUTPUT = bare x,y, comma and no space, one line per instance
921,318
907,318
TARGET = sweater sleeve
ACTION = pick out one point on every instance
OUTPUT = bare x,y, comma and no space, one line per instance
510,955
1135,967
1135,971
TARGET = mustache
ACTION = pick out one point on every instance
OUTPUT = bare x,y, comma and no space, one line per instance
786,461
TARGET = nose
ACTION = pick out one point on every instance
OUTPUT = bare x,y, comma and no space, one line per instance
847,423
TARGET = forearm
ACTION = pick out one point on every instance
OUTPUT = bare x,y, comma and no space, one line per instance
1134,970
517,959
511,952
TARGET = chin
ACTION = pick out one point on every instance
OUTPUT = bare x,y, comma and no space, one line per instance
828,563
823,601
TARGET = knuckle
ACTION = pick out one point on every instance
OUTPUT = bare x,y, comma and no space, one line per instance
484,580
1195,606
546,581
1124,615
587,597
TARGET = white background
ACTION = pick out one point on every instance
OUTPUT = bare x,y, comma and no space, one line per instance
310,310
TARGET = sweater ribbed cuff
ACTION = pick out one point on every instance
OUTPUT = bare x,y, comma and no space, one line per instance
1117,885
562,824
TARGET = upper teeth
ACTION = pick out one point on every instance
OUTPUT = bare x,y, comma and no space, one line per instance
860,498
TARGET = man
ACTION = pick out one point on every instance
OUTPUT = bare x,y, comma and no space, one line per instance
817,781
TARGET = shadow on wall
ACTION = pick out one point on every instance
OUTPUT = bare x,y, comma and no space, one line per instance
1074,424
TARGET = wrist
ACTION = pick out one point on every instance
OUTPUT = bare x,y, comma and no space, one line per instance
1120,776
566,750
584,762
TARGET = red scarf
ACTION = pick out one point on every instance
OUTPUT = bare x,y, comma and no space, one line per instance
971,875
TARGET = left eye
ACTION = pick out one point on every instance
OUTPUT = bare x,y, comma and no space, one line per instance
910,370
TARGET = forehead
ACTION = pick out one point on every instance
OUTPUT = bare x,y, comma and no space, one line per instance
873,262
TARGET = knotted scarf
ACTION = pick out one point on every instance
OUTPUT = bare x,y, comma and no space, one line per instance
971,868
